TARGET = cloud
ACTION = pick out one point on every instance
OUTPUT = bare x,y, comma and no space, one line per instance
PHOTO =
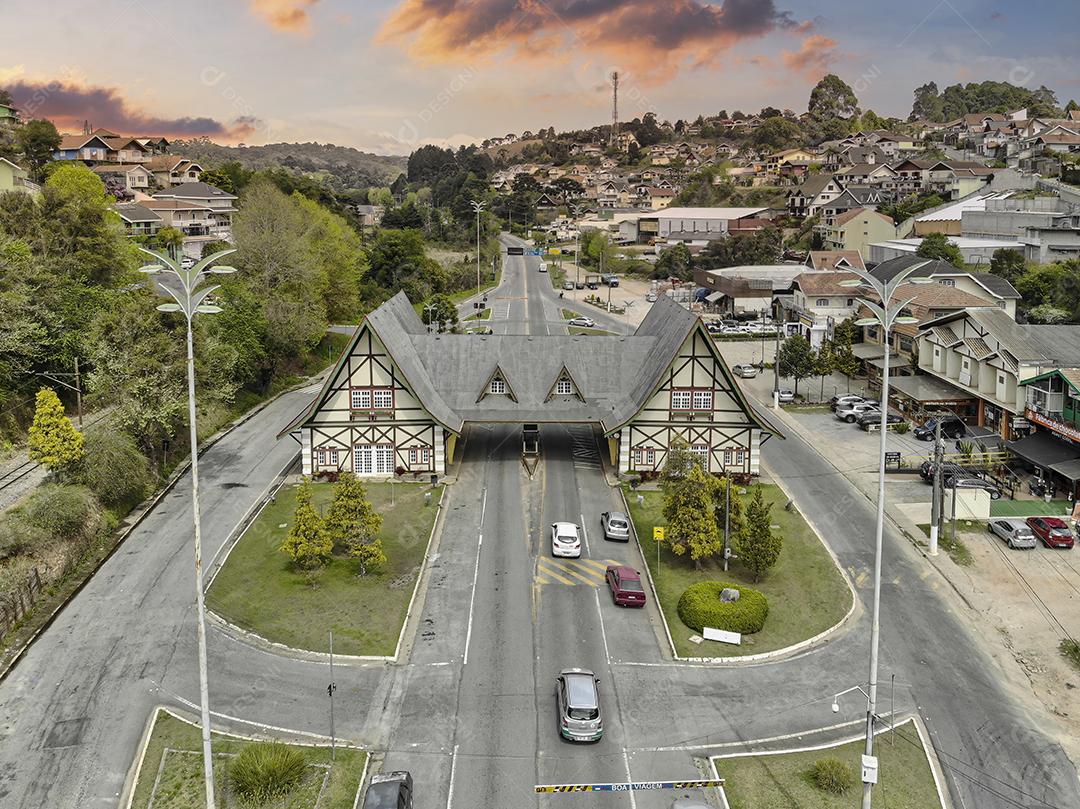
68,105
813,58
656,38
290,16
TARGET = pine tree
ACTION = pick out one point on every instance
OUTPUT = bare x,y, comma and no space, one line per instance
307,542
759,547
54,441
691,526
353,523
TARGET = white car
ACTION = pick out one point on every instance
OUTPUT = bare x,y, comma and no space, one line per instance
565,540
745,371
650,297
1016,533
851,412
785,395
543,267
584,322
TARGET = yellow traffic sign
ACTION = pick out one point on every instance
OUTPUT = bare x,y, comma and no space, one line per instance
658,533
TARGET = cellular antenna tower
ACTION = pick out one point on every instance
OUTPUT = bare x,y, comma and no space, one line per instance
614,106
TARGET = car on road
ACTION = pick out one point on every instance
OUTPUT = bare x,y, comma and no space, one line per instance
578,700
851,412
581,320
650,297
568,285
872,420
565,540
579,285
844,399
1016,533
1053,532
390,790
187,262
543,267
785,395
616,525
951,427
625,585
714,327
745,371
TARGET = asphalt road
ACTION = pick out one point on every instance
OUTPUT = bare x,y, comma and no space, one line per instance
471,710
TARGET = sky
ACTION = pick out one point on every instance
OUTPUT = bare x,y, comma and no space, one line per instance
388,76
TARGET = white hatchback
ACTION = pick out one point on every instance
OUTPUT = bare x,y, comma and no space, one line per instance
565,540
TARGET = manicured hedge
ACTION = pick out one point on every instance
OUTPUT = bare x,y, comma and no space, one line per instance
700,606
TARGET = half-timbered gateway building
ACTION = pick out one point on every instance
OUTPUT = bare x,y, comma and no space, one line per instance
399,397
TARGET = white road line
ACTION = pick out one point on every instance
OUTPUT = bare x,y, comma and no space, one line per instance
585,534
483,508
472,600
629,778
603,632
453,772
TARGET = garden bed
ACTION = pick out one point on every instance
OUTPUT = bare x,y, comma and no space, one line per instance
260,590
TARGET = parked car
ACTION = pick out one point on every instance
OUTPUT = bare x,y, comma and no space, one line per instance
872,419
390,790
714,327
785,395
851,412
650,297
951,427
625,585
616,525
1053,532
1016,533
565,540
610,279
579,285
972,482
745,371
568,285
578,700
543,267
844,399
581,320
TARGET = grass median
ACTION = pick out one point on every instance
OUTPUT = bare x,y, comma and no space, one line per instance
259,590
784,781
807,593
172,777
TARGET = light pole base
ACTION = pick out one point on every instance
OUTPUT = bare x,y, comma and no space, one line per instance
934,539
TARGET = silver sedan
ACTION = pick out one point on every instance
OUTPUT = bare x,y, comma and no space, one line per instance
1016,533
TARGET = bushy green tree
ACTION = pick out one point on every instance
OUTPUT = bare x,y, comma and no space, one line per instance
937,246
759,548
218,179
54,441
352,523
674,262
1008,264
114,469
307,543
796,359
691,524
824,363
444,315
38,139
833,107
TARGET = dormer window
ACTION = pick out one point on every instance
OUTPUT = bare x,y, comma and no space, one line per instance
564,387
497,387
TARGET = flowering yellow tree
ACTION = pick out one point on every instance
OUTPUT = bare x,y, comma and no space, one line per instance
54,441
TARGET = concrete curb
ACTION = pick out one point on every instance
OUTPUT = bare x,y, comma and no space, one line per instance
151,504
776,654
272,647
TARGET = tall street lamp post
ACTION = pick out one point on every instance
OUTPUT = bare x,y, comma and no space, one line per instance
886,314
189,292
477,207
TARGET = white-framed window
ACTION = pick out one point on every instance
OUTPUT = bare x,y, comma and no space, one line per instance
702,452
734,457
333,455
419,455
644,457
680,400
382,398
384,459
363,459
320,458
703,400
497,387
822,302
360,399
564,387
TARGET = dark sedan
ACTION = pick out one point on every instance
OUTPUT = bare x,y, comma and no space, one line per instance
625,585
872,421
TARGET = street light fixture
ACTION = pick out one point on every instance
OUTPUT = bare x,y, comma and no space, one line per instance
189,293
477,207
886,314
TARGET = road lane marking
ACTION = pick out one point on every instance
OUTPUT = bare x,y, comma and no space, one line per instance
472,599
603,634
584,578
553,573
599,564
483,508
625,755
453,772
585,534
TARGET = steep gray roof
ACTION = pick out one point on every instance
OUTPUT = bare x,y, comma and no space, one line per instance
195,191
995,284
1026,342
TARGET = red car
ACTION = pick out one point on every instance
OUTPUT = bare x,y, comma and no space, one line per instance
625,585
1053,532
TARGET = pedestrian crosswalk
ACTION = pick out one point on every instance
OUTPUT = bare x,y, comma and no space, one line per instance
585,452
572,572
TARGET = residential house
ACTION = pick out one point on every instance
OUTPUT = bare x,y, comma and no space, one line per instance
202,195
193,219
911,176
625,139
821,302
614,193
774,161
138,219
956,179
131,177
854,196
856,229
400,397
872,174
985,285
91,148
653,198
834,260
155,145
170,170
808,199
15,178
9,116
127,150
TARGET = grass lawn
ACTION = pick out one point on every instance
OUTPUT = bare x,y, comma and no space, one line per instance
483,314
806,592
181,783
783,781
260,590
1029,508
569,314
556,273
957,550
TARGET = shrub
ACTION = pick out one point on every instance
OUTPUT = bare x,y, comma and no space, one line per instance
832,775
266,770
64,512
18,535
902,427
114,469
700,606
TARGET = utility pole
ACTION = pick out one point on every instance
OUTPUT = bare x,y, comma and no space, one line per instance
477,207
938,493
727,518
330,689
776,374
78,392
615,107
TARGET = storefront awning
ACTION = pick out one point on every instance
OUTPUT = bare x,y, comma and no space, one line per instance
896,362
926,389
713,297
1042,449
1070,470
868,351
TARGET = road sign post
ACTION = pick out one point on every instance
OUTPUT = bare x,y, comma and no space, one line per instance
658,538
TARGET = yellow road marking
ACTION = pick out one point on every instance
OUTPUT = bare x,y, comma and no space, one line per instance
555,575
598,564
542,580
582,577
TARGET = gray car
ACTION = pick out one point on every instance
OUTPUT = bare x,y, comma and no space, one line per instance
1016,533
616,526
390,790
582,321
578,702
